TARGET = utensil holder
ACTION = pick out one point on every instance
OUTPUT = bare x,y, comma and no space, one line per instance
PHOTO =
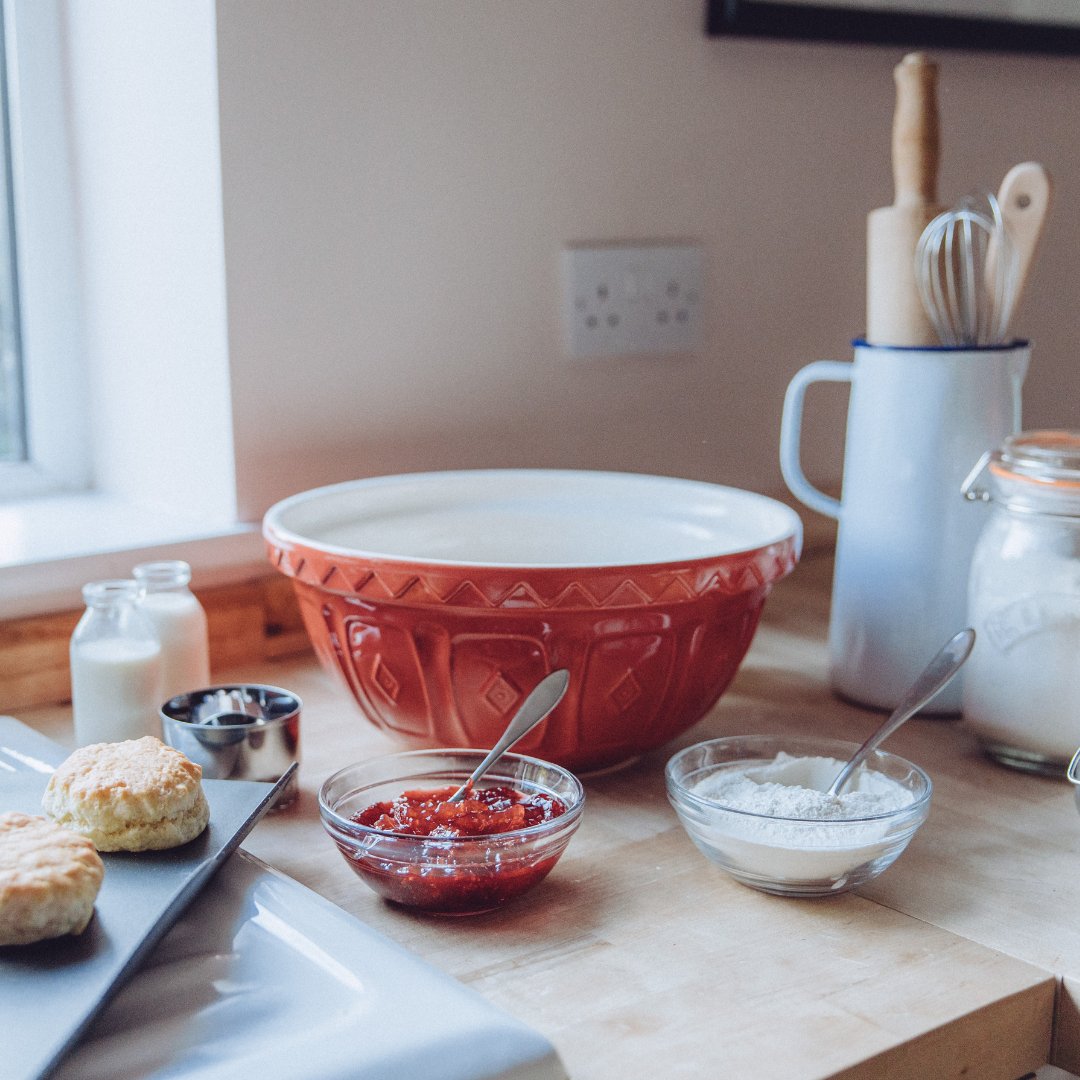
917,419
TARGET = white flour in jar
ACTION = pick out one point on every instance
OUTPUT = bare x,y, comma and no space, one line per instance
1022,684
802,833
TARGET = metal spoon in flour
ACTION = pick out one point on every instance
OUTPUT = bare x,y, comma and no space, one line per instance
936,674
545,696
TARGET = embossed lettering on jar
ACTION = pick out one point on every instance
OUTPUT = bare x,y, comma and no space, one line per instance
1022,683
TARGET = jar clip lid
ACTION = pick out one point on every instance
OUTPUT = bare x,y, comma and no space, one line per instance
1074,765
968,488
1048,459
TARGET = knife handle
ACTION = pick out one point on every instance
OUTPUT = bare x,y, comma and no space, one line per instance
915,133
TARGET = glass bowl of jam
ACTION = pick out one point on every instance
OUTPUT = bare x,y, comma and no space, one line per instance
392,822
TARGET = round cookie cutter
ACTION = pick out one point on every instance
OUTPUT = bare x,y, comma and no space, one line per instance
243,731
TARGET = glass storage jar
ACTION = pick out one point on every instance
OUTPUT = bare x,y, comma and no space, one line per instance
1021,686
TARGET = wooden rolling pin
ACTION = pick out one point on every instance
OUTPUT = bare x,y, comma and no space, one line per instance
894,307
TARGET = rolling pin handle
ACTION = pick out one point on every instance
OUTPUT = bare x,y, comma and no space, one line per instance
915,133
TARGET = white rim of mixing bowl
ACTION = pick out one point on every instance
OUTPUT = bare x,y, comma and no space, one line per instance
276,532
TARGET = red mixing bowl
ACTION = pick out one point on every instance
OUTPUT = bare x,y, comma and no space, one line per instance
441,599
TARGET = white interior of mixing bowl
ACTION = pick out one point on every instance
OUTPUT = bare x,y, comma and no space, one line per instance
530,517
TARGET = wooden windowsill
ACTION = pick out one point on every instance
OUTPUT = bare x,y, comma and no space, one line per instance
248,622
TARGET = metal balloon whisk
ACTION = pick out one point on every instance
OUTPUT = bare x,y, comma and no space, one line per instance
967,272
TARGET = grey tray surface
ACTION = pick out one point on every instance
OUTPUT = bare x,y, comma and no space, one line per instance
50,992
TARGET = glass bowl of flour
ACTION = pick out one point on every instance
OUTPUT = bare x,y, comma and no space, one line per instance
757,806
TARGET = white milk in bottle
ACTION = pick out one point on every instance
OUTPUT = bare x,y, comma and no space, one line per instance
180,622
115,667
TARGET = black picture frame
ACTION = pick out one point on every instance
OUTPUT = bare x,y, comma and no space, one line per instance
820,22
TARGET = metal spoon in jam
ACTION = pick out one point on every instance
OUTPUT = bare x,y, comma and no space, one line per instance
545,696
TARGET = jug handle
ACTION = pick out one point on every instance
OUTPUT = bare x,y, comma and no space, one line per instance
791,433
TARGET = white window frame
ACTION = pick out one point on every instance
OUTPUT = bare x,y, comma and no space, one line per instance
121,262
10,350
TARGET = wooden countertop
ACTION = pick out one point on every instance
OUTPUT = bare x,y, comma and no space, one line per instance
639,957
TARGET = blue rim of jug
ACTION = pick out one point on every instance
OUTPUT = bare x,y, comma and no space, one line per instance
1007,346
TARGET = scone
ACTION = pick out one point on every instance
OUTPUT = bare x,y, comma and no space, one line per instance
49,879
139,795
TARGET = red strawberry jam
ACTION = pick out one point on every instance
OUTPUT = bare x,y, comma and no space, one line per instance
482,812
488,868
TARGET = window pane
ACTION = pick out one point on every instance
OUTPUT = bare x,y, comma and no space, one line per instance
12,418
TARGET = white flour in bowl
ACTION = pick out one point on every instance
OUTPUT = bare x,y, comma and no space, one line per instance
789,829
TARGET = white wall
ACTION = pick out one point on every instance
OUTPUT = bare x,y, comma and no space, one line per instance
142,91
400,176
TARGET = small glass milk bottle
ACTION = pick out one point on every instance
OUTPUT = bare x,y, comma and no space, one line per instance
115,667
1021,686
180,622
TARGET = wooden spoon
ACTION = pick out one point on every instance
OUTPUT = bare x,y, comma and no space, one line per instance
1024,198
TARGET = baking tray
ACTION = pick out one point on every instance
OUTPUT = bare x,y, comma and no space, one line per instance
50,992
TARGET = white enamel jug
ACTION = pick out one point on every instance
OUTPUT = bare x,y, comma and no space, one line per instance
917,419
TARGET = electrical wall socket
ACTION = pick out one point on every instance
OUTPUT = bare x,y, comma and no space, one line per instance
622,299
